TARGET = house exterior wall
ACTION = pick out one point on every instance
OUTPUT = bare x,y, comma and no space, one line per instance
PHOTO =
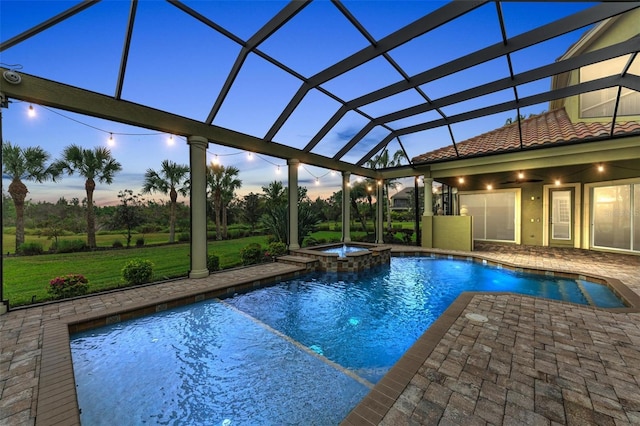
625,27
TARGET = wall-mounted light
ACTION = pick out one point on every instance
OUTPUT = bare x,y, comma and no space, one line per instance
520,175
557,182
600,168
489,187
460,179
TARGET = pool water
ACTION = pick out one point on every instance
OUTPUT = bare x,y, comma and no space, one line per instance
305,351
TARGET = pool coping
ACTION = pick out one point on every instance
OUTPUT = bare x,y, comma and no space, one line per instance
57,398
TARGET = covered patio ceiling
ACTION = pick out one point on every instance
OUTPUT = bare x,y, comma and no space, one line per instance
331,84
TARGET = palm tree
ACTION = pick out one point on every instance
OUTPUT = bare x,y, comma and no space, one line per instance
28,164
382,161
229,184
172,179
90,164
222,183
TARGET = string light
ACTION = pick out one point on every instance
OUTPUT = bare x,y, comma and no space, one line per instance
111,142
317,181
250,156
31,112
278,170
170,141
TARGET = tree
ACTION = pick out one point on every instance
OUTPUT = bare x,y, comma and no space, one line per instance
90,164
252,209
24,164
172,179
275,218
229,185
222,183
128,213
382,161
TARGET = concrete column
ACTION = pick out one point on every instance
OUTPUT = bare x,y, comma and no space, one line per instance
198,166
293,204
346,208
379,212
428,196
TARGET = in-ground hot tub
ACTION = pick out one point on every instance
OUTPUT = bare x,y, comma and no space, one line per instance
347,257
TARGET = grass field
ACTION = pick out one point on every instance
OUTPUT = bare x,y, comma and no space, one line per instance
27,276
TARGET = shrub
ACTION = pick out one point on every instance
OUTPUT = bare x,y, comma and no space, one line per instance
324,226
276,249
116,244
184,237
140,242
251,254
69,246
70,285
137,271
213,262
30,249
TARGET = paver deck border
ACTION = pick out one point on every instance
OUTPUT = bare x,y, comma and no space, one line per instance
57,400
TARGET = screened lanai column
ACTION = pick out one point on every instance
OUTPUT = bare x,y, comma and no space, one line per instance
293,204
198,167
427,217
379,212
428,196
346,207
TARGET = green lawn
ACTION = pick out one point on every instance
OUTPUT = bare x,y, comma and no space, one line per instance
102,240
28,276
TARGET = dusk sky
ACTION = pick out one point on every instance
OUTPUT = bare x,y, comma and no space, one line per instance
177,64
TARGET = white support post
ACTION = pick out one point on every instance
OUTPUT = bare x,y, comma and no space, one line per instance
428,196
346,207
379,212
198,167
293,204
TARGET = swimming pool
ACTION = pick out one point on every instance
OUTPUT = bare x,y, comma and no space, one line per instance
303,351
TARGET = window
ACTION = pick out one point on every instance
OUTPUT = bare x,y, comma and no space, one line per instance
601,103
616,217
494,214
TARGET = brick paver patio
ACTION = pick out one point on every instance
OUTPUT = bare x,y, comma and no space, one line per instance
534,361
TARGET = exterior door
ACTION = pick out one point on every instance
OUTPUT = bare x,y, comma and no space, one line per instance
561,217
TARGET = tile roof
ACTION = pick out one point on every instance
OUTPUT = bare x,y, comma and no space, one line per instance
545,130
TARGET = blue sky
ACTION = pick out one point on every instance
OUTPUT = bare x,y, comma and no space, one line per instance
179,65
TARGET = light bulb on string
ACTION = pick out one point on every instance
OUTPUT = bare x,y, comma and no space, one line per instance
111,142
170,141
31,112
278,170
250,156
317,181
